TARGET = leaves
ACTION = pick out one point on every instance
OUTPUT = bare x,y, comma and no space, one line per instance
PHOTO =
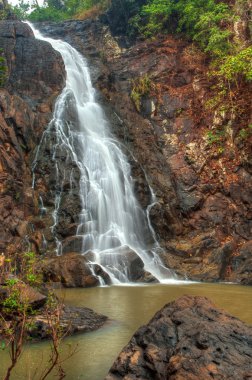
237,64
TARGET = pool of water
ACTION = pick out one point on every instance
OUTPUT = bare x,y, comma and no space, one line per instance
128,307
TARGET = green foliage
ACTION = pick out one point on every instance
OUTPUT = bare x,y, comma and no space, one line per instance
215,137
18,314
3,69
245,133
201,20
57,10
140,88
158,14
4,10
47,14
29,269
239,64
16,302
21,10
12,304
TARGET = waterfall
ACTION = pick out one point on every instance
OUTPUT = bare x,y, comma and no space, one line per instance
113,227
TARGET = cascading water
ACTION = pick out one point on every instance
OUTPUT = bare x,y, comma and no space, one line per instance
112,224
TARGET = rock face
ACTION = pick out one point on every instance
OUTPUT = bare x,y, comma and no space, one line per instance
32,83
202,214
187,339
203,186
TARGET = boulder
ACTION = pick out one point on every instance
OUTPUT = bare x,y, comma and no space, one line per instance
124,257
72,320
188,339
72,244
72,270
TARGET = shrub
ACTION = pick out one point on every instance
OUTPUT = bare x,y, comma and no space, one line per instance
204,21
140,87
239,64
3,69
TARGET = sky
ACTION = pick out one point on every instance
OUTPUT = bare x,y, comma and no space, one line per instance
15,2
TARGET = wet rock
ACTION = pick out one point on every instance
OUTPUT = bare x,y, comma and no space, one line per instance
126,260
31,85
147,277
71,270
188,339
72,244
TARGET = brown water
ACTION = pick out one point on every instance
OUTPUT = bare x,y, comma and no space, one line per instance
128,307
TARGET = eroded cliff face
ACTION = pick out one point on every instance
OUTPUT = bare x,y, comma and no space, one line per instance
202,216
35,76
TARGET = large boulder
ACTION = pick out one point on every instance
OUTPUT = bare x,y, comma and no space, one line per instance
72,270
124,259
72,320
188,339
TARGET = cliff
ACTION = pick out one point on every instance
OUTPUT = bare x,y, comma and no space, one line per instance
35,76
196,158
156,95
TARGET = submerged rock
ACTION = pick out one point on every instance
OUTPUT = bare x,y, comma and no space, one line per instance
188,339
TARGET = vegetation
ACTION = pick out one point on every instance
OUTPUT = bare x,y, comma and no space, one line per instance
57,10
237,65
210,25
140,87
3,69
18,313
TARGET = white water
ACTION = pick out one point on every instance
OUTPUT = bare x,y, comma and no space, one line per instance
111,221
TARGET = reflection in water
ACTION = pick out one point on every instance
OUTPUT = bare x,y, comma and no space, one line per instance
128,308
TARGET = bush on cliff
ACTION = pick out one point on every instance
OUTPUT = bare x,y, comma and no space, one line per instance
3,69
56,10
204,21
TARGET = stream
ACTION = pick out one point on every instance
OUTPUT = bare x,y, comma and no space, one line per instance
128,307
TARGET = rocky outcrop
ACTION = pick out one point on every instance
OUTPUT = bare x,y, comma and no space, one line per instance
75,270
31,85
187,339
72,270
72,320
202,179
46,312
